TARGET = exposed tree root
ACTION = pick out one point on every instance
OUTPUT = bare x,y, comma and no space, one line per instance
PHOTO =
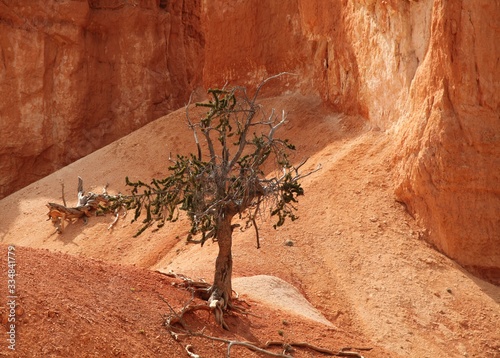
202,290
288,348
177,327
344,352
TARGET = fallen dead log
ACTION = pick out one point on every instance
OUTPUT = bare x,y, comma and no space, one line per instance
58,214
88,205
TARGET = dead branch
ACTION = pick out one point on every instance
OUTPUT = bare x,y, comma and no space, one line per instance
275,127
113,223
58,214
62,194
257,237
81,195
87,205
269,79
190,353
192,127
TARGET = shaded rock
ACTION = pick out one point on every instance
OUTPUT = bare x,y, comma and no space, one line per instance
77,75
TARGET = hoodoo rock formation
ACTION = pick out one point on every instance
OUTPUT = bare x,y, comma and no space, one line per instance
78,74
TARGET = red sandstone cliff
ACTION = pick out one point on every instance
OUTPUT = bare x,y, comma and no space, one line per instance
76,75
79,74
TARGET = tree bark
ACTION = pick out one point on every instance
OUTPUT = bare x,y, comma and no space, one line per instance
221,289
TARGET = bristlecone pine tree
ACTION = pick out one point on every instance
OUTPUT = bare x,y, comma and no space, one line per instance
224,179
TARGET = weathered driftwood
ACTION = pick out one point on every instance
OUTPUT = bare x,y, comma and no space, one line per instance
87,205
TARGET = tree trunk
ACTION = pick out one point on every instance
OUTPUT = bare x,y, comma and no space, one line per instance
221,290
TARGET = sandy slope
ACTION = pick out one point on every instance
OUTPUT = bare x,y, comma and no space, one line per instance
357,256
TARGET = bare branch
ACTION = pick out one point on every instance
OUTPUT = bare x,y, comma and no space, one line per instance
275,127
269,79
193,127
302,176
243,136
250,117
81,194
191,354
211,149
270,120
256,232
62,190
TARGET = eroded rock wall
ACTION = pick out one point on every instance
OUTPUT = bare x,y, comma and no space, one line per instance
427,71
449,151
76,75
248,41
360,56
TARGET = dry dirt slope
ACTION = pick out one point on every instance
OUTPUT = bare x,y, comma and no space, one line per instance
356,254
78,307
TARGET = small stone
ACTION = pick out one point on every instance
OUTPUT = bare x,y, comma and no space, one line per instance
289,243
448,290
429,261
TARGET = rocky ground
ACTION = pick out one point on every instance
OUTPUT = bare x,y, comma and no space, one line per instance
369,277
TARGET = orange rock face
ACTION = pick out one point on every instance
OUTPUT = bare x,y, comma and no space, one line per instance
428,72
449,154
76,75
